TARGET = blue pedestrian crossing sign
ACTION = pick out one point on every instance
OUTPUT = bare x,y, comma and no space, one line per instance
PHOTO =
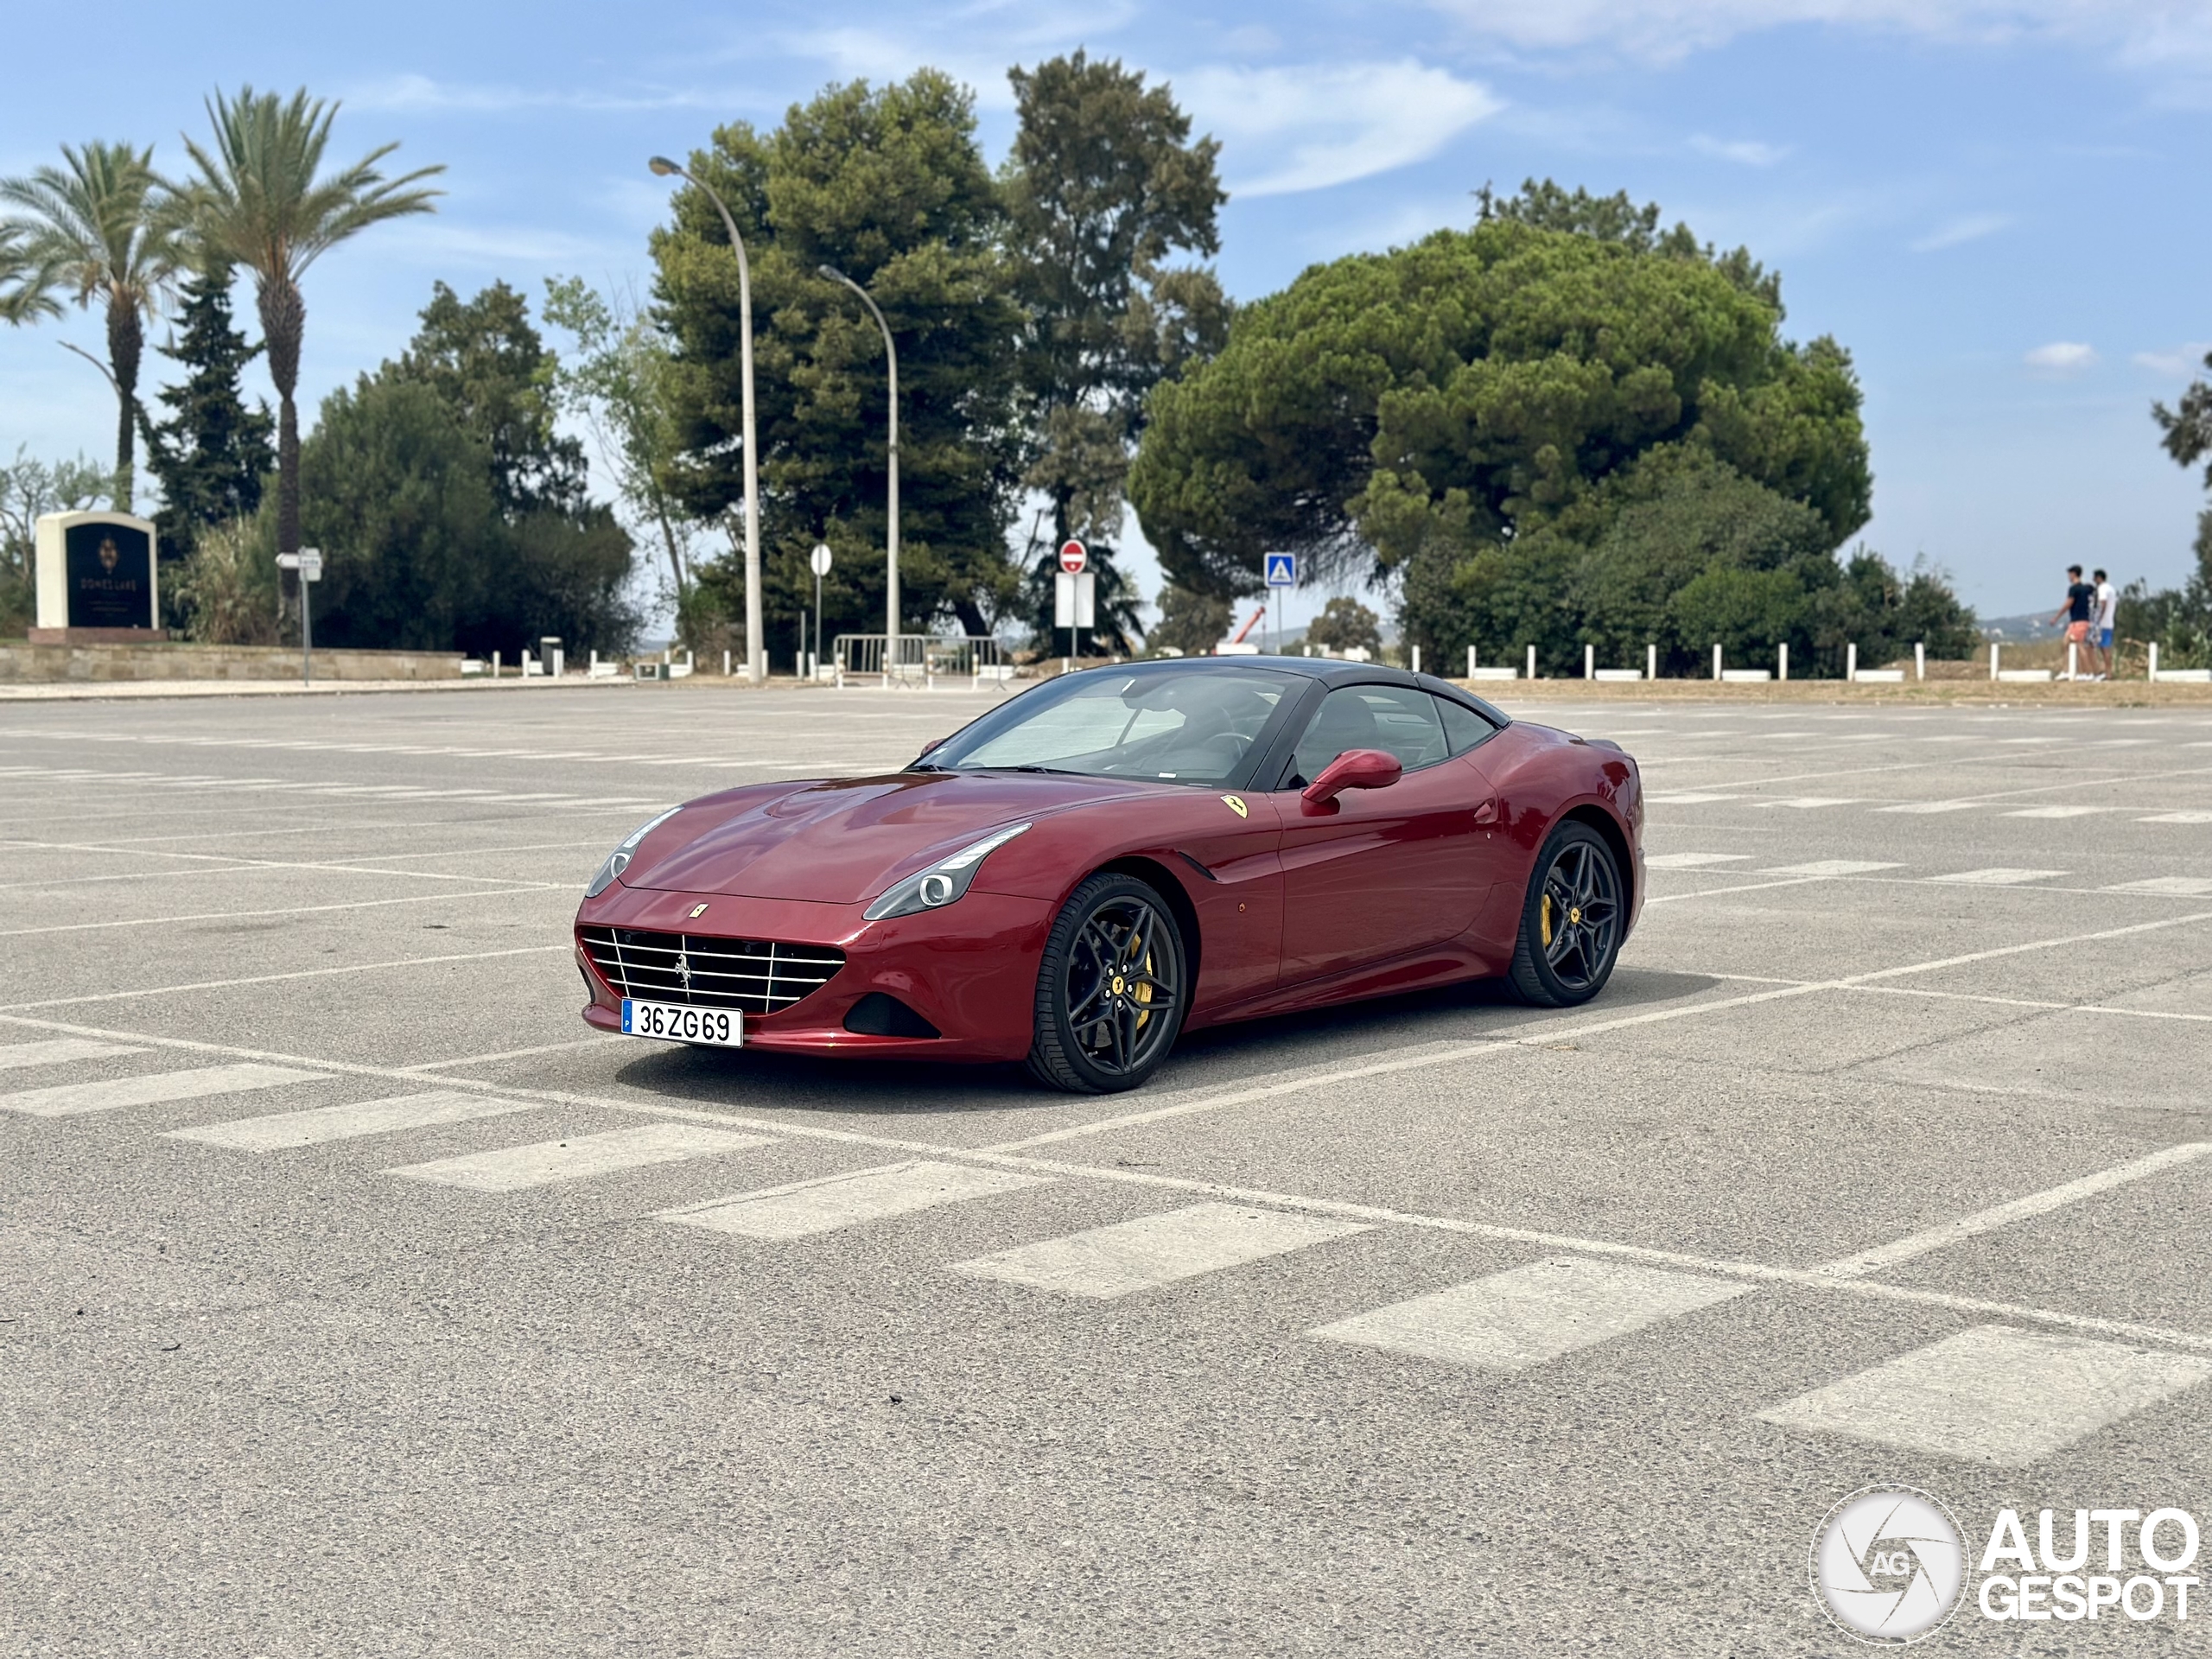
1282,569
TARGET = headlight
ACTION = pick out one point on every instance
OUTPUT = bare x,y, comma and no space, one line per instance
943,882
618,859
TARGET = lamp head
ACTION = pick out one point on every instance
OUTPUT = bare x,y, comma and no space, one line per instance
833,273
665,167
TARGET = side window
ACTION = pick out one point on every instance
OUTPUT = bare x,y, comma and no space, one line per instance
1398,720
1463,726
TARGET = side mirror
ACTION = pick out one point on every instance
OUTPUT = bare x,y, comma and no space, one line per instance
934,743
1353,769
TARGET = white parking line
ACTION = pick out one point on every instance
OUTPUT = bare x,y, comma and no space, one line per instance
1833,866
1155,1250
1992,1395
1692,861
1527,1316
1996,876
805,1209
513,1169
282,1131
2187,887
69,1099
57,1050
2059,811
271,979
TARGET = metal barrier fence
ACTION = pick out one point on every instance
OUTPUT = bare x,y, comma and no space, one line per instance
921,661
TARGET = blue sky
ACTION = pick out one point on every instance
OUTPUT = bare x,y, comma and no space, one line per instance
1990,202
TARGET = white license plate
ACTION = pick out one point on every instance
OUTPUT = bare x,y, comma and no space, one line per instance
673,1023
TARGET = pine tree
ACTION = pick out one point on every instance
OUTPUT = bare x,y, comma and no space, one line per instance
212,454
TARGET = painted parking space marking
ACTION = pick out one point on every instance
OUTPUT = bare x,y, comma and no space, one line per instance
1692,861
70,1099
1931,806
1688,798
1155,1250
852,1198
1527,1316
2059,811
1993,1394
2178,818
2186,887
1999,875
513,1169
1833,866
58,1050
1811,803
280,1131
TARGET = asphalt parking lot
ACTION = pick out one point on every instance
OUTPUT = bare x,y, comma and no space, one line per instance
357,1300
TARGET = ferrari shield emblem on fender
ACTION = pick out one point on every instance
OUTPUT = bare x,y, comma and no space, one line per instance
697,911
1235,803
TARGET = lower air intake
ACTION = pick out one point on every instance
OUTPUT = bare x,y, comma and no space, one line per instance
760,977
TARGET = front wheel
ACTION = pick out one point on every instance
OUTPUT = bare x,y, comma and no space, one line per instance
1112,990
1571,923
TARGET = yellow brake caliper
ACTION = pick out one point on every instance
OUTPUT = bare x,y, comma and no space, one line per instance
1548,919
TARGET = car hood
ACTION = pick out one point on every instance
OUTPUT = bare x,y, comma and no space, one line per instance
845,840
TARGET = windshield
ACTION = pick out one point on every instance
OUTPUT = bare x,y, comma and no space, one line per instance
1191,725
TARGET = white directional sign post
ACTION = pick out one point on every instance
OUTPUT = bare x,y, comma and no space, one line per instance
821,560
1280,570
1075,594
308,562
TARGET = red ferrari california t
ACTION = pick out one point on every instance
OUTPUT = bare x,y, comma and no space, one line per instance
1118,855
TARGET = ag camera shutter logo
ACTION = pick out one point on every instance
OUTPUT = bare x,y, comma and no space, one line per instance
1888,1565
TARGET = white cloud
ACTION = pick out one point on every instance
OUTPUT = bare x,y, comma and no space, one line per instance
2183,360
1310,126
421,92
1744,152
1972,228
2062,357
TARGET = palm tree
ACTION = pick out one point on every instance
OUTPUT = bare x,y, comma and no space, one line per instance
96,225
25,287
262,202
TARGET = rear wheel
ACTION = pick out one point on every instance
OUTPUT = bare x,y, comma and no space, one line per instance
1571,923
1112,990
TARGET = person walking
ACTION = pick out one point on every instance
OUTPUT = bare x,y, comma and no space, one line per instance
2107,618
2080,599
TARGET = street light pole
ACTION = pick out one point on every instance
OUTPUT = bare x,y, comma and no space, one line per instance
891,539
756,667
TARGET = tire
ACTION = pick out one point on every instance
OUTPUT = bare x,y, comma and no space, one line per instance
1092,1039
1566,950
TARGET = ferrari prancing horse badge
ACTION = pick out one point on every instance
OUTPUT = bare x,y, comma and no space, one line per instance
1235,803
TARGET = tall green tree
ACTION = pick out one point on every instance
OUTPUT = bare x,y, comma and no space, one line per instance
451,513
887,184
211,453
264,202
2180,618
493,369
1103,187
1470,416
616,383
97,227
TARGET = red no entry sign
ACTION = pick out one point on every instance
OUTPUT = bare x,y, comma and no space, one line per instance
1073,558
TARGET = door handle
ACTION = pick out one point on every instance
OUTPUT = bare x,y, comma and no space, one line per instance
1487,812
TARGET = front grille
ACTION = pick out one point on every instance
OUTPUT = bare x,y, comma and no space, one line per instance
759,975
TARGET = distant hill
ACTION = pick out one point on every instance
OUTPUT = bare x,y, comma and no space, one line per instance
2022,629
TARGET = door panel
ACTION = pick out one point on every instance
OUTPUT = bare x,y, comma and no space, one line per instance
1388,870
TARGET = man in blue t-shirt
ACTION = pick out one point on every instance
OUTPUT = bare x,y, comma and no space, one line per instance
2080,597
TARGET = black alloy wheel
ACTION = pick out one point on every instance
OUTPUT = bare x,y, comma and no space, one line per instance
1112,990
1572,923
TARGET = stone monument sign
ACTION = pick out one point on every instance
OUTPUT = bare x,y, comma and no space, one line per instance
97,577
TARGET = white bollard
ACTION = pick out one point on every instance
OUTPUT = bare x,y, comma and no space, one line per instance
1651,661
1920,661
1716,659
1993,648
2073,660
495,665
1589,662
1851,665
1416,659
1532,662
1781,661
2154,661
725,664
1470,662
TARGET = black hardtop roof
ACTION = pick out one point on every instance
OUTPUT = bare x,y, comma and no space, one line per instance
1330,670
